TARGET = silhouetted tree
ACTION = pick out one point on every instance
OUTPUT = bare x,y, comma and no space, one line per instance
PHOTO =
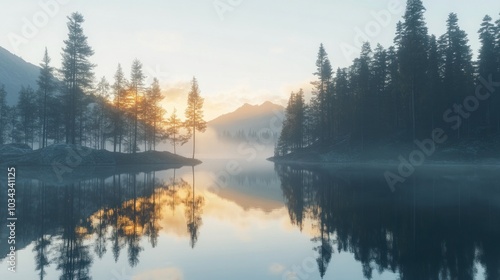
102,114
46,87
488,63
323,99
136,82
174,127
154,113
77,75
194,112
293,132
458,69
434,87
28,114
118,116
413,58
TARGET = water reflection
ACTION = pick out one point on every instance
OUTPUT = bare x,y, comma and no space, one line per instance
66,223
194,210
438,225
433,227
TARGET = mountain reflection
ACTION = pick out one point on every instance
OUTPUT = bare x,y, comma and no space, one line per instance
432,227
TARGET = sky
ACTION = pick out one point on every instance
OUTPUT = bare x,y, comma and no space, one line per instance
241,51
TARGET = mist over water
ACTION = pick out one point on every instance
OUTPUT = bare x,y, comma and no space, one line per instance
210,145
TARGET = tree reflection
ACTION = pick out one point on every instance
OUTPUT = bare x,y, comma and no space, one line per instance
433,227
172,192
73,258
193,206
69,224
101,225
43,241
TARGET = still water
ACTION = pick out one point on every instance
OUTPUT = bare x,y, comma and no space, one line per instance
258,221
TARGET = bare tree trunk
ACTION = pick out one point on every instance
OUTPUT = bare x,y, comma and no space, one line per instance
135,124
194,140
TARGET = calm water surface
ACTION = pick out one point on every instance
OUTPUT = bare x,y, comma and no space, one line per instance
258,221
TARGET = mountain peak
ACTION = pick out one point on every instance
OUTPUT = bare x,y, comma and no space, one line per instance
247,112
16,72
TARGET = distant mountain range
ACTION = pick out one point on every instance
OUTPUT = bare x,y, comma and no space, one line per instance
14,73
250,118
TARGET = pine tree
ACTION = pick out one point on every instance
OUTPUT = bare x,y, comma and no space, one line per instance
14,129
487,65
28,110
434,97
344,102
323,97
379,97
46,87
76,73
55,119
299,120
118,118
458,68
155,111
194,112
413,58
174,131
361,84
136,83
102,95
395,104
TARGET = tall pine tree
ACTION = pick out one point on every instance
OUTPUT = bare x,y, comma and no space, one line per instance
458,69
46,87
174,133
136,83
77,75
413,59
28,110
119,90
323,97
194,112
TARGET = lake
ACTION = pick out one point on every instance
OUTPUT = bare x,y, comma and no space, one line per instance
227,219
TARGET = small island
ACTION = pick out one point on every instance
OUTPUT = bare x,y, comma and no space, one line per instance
75,155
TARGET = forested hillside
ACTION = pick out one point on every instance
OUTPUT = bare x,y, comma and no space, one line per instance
421,85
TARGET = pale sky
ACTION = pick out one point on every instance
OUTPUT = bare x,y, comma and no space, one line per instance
239,50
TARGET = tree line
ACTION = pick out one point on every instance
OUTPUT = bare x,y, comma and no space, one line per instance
402,92
69,107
